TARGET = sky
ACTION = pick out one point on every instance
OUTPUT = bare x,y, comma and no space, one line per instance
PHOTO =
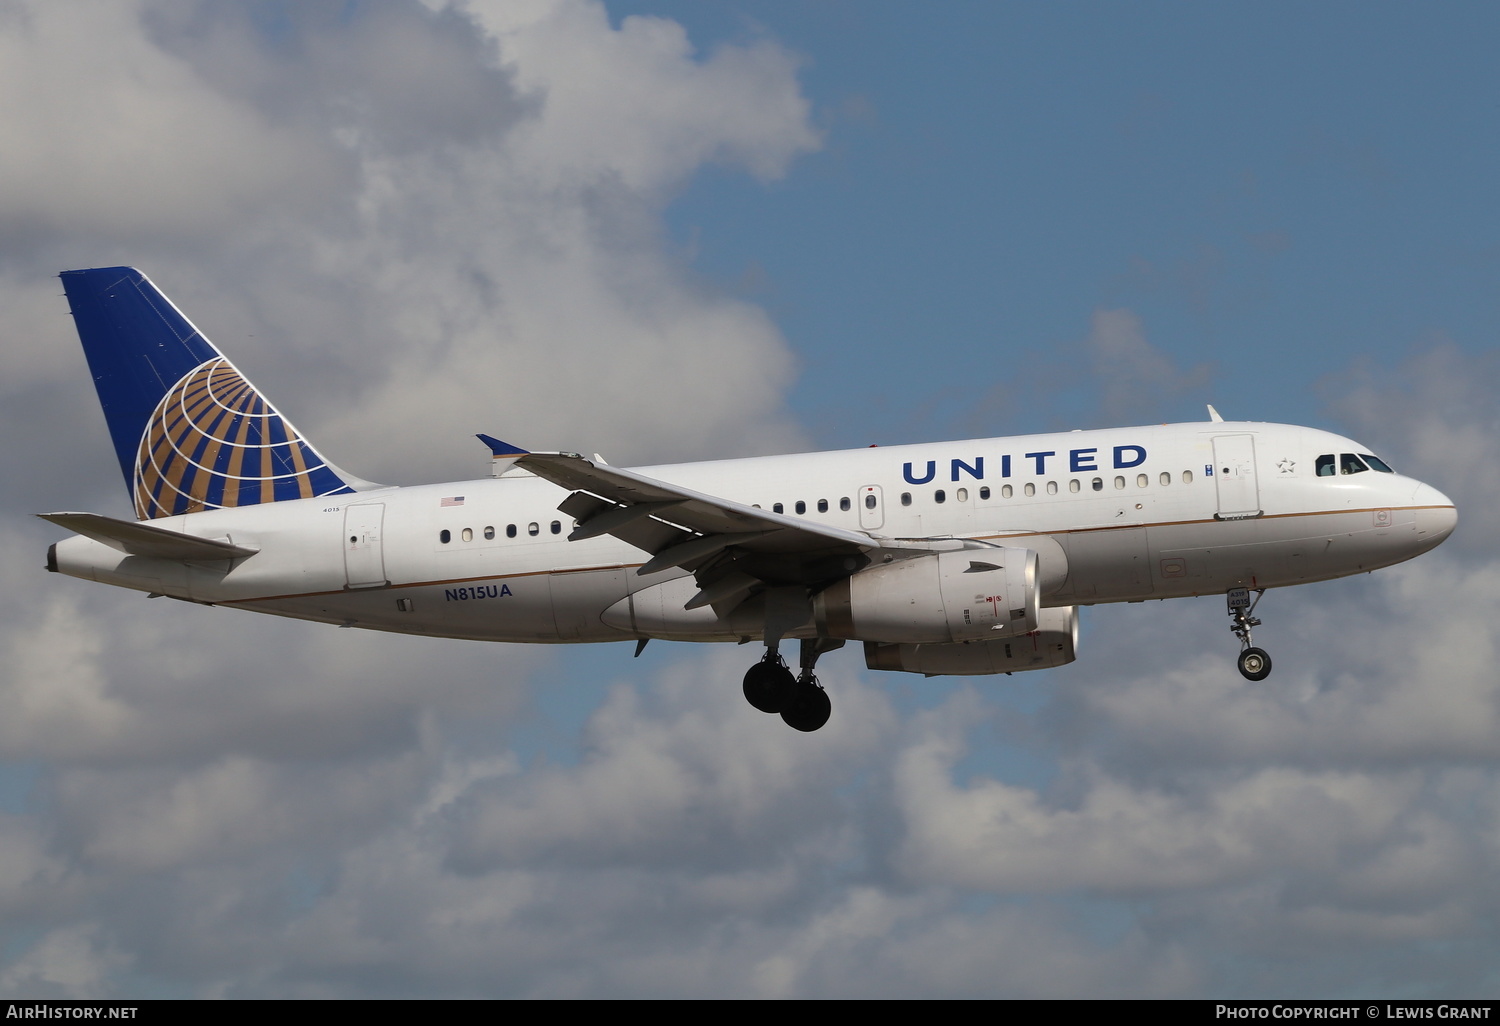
679,230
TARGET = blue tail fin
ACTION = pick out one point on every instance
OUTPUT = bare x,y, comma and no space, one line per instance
190,431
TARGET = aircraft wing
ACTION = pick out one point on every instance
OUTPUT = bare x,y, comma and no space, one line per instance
690,529
694,511
138,539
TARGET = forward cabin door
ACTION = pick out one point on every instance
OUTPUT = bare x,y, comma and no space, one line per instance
1234,476
364,556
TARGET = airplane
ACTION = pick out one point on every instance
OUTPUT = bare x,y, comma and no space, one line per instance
967,557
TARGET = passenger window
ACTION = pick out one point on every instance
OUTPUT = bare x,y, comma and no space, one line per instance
776,507
1119,483
844,503
445,537
1166,478
1141,480
557,527
822,505
1351,464
1325,465
533,529
489,534
1376,463
468,534
962,495
1098,484
984,493
870,501
1051,487
1187,477
1073,486
905,499
1006,491
1030,488
801,507
510,530
939,496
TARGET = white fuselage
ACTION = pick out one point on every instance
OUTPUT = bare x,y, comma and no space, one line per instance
1117,515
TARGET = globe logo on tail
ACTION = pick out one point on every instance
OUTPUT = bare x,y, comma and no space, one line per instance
214,441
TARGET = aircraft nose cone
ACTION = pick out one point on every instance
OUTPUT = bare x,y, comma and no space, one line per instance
1436,516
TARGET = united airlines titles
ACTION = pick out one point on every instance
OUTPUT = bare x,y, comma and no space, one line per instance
1078,461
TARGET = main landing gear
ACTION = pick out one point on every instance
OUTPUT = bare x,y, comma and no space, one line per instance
1254,663
801,700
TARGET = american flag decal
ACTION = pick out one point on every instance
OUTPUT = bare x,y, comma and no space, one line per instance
452,500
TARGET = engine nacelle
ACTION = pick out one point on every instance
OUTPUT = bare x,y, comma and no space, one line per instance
1053,643
960,595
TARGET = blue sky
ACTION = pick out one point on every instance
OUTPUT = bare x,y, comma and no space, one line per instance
1270,187
677,231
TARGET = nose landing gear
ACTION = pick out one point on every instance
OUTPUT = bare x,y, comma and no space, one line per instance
803,704
1254,663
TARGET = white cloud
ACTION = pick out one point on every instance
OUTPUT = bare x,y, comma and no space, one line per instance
69,962
635,105
1137,379
1436,417
411,225
109,137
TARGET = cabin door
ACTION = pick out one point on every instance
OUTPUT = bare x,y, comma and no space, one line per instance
364,556
1234,476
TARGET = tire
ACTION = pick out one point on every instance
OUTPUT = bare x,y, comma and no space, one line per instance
768,686
808,710
1255,664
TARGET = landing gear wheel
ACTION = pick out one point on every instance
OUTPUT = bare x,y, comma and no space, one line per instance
809,707
769,686
1255,664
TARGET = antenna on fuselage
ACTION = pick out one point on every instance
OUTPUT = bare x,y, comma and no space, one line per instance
1213,414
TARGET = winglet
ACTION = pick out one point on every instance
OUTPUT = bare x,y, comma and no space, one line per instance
499,448
503,455
1213,415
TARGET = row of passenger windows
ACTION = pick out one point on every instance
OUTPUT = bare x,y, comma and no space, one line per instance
1029,489
467,534
940,495
800,507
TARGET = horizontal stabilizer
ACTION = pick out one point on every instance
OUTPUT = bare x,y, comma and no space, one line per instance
136,539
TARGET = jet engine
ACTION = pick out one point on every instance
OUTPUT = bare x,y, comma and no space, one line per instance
959,595
1053,643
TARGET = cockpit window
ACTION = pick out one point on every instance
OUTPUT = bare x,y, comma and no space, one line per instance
1376,463
1351,464
1325,465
